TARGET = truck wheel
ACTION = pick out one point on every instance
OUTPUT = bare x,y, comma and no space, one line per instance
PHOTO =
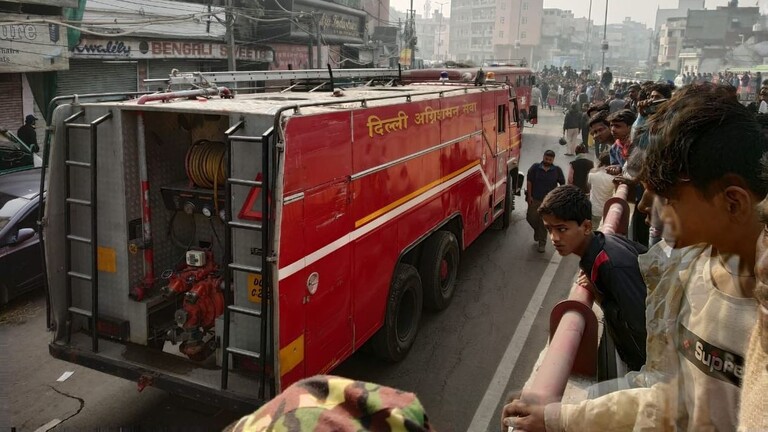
401,323
509,205
439,268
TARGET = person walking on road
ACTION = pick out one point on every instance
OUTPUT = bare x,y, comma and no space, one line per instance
572,128
533,108
542,178
552,98
27,133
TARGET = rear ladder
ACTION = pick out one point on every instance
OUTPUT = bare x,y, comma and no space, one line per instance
93,278
267,257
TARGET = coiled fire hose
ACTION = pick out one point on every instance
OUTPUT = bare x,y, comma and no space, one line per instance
206,166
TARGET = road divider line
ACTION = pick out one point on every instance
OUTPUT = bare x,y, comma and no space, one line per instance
486,410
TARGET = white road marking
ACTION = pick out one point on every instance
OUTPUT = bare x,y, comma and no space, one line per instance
48,426
65,376
486,410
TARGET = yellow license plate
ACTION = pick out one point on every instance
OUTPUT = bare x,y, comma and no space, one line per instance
254,287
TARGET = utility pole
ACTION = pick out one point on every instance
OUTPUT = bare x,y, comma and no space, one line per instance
587,48
440,29
604,44
230,17
412,38
316,19
310,55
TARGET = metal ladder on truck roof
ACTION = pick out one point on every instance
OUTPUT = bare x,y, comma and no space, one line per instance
267,257
320,77
93,278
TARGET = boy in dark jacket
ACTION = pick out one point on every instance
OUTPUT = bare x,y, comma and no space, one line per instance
610,262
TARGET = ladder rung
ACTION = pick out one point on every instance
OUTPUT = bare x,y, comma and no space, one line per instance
248,226
241,138
245,268
244,352
80,276
241,182
78,125
78,202
245,311
79,239
81,312
78,164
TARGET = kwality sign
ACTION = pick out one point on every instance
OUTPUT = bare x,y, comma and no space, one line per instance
135,49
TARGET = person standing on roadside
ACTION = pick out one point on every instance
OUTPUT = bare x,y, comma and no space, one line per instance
27,133
542,178
607,78
601,188
580,168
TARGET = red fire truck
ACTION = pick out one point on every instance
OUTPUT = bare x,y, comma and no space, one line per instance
223,247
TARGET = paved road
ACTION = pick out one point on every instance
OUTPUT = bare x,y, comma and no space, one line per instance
456,366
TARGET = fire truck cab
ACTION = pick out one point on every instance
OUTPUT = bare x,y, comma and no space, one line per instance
223,246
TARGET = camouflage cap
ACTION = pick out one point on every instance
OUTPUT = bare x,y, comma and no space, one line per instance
329,403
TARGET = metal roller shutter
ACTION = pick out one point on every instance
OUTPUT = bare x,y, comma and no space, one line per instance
96,76
12,109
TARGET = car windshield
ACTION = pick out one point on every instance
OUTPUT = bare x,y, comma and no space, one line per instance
9,206
7,142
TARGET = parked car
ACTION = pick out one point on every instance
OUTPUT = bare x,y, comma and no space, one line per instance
21,268
15,155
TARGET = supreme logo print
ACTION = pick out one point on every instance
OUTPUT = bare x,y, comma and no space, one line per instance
712,360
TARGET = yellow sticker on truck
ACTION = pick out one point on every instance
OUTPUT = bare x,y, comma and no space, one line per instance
254,287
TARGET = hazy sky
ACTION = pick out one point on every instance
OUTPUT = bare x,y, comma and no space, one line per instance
640,10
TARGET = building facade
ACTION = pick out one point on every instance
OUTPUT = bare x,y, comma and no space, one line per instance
433,37
711,36
629,48
495,31
565,40
671,37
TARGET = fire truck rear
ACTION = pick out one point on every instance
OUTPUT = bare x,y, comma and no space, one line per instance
223,247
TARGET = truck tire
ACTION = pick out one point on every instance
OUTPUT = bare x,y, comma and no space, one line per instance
438,269
401,322
509,205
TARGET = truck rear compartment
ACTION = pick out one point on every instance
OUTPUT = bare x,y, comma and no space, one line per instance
147,328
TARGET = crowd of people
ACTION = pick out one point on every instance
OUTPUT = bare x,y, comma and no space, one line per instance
685,296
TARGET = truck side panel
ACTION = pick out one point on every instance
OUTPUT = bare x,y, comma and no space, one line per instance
413,166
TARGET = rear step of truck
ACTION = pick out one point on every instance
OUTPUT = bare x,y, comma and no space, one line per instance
93,278
172,373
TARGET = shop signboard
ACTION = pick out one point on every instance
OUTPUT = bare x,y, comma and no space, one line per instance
32,46
137,49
